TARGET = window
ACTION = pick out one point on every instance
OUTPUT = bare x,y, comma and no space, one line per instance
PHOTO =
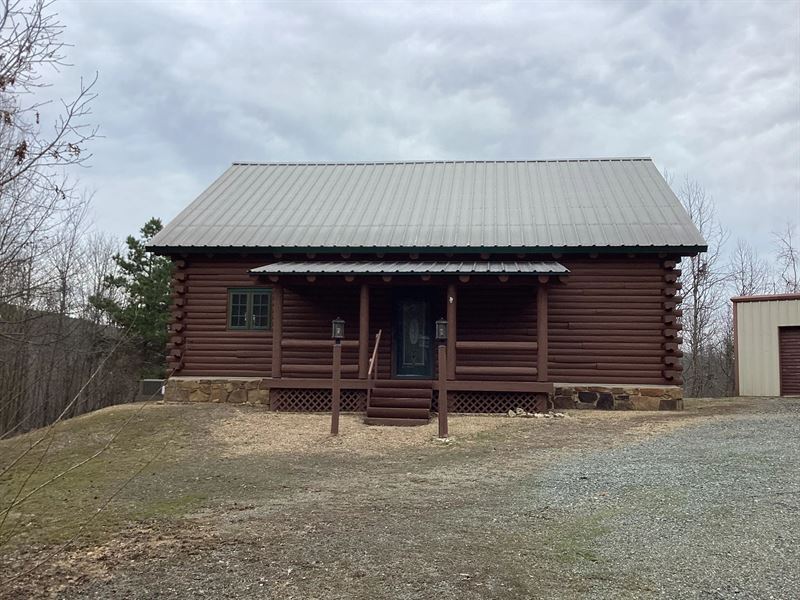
249,308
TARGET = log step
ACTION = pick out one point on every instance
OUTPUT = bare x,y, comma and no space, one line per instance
396,422
398,402
387,392
394,412
404,383
401,402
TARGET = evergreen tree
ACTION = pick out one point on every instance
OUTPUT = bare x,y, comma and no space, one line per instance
136,298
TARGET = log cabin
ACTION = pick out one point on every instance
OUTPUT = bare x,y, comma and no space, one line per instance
553,283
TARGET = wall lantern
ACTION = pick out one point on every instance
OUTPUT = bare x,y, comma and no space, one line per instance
441,330
337,329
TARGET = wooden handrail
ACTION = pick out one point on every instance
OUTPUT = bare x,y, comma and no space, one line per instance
372,372
373,361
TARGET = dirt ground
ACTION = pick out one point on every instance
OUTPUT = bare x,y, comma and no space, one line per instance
235,501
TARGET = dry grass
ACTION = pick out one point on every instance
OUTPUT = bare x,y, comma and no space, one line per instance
253,431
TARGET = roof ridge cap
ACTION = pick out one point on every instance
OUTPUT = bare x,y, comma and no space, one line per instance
438,162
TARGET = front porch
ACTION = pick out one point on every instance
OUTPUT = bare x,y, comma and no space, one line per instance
495,355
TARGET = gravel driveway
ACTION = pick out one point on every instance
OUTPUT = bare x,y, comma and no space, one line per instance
710,511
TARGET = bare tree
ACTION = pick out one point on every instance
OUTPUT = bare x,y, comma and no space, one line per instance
703,278
35,194
787,246
749,273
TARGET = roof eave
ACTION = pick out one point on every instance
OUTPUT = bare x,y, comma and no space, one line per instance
682,250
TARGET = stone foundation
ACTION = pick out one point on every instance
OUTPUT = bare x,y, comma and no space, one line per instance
254,390
622,397
236,390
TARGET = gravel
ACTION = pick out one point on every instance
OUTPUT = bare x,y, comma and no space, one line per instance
707,511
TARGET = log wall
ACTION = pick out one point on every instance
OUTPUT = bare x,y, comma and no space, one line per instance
614,320
200,341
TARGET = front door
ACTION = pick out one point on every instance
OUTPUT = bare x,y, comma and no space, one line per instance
413,347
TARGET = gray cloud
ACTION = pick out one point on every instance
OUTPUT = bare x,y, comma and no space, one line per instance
707,89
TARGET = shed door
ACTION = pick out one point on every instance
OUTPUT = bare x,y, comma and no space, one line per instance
789,352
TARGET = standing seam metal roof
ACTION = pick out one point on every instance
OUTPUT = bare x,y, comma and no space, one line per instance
412,267
447,204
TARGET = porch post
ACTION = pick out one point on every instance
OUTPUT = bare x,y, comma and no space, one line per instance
277,329
541,328
442,410
363,332
336,386
451,299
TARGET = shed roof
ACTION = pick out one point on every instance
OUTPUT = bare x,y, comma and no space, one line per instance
411,268
767,298
558,204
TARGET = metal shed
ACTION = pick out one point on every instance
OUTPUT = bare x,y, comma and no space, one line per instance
766,333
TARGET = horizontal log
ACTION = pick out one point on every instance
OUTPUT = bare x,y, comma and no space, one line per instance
522,371
317,343
605,378
316,369
654,346
610,310
572,336
226,359
595,374
620,317
496,345
582,357
210,371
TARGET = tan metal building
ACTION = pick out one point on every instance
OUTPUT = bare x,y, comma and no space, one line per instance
766,332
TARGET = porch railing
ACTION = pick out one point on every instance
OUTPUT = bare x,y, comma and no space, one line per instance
322,368
494,366
372,371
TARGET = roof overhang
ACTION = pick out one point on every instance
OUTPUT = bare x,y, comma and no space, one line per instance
520,267
765,298
671,250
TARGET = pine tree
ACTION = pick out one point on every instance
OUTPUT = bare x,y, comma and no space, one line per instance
136,298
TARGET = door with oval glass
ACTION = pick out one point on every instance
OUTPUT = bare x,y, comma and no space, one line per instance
413,347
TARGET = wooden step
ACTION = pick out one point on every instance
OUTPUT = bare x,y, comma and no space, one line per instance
397,422
392,412
419,384
387,392
401,402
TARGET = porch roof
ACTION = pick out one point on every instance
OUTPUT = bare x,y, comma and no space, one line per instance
520,267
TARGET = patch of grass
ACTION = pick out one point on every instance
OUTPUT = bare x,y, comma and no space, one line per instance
55,513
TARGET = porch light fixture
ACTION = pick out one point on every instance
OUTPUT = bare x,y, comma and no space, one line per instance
441,330
337,329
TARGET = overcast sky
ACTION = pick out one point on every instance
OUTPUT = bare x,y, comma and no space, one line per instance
708,90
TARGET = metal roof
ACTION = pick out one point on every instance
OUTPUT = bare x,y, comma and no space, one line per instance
411,268
613,203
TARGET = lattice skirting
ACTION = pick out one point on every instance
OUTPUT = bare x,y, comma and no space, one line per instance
310,400
493,402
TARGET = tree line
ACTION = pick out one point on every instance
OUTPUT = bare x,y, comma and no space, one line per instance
71,305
